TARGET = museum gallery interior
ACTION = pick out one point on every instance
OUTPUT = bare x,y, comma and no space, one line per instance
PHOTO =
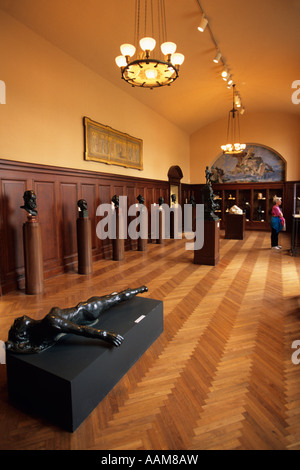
150,200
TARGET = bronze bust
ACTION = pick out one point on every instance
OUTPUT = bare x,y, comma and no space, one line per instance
30,202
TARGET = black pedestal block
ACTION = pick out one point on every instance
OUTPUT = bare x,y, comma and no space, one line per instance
66,382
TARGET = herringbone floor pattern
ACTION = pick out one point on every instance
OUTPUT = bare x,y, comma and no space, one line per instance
219,377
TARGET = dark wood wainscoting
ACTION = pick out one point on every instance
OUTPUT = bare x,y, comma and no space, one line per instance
58,190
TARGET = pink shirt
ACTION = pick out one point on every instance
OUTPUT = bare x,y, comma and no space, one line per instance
276,212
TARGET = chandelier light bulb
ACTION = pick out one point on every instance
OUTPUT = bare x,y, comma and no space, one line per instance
121,61
127,50
238,101
151,73
147,44
177,59
168,48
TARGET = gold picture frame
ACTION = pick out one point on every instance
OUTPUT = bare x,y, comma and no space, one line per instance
107,145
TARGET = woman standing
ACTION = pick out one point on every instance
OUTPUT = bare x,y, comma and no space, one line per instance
277,223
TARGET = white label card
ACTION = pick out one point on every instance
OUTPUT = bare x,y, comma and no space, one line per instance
139,319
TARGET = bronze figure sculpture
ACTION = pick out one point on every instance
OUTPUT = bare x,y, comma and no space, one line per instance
208,198
207,175
27,335
30,202
116,201
141,199
83,208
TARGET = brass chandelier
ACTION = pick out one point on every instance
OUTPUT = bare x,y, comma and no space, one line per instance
138,66
233,146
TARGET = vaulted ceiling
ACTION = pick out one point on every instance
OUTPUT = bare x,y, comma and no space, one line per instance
259,40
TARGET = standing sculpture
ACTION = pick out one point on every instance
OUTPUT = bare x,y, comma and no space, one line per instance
207,175
33,336
208,199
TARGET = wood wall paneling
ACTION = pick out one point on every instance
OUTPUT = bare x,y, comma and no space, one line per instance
105,195
58,190
69,198
46,197
89,193
12,220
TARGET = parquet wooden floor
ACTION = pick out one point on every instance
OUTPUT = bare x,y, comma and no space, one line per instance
220,376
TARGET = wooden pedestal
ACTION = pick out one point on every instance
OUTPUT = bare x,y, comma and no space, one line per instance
33,257
142,244
84,244
118,243
209,253
160,238
235,226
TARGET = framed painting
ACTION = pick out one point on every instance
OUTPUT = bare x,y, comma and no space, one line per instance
107,145
256,164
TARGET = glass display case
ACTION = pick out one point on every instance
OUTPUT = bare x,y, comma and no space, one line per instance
218,200
230,199
296,208
244,202
259,205
295,241
256,201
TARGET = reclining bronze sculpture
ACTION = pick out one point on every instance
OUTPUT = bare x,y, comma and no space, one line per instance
27,335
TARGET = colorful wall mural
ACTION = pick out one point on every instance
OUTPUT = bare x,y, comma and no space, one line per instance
257,164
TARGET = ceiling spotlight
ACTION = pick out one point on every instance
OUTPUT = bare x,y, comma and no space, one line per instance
224,73
217,57
242,110
229,80
203,24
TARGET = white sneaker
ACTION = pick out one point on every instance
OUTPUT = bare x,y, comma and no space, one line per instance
279,246
275,248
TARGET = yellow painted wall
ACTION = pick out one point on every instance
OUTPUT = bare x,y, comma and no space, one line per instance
47,95
279,131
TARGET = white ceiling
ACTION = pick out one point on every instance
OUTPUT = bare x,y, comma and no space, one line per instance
259,39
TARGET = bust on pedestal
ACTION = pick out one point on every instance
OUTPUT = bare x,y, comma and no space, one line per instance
118,242
160,239
84,239
32,243
142,242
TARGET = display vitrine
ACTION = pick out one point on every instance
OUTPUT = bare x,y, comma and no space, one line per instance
256,201
296,203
